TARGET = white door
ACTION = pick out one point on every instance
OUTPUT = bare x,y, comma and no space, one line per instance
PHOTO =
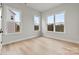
1,28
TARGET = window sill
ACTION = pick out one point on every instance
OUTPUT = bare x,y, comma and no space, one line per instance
55,32
36,30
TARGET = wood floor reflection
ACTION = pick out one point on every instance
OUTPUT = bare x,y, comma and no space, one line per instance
41,46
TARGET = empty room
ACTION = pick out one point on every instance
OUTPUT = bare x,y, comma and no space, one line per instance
39,29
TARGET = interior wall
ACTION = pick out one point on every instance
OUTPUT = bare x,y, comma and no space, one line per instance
27,24
71,23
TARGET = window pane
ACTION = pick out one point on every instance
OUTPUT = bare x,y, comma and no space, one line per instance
50,23
59,22
13,23
36,22
17,21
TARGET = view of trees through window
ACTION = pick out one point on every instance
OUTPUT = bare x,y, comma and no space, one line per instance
36,23
50,23
59,22
56,23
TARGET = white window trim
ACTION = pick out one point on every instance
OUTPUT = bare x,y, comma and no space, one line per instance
38,25
20,22
47,23
54,22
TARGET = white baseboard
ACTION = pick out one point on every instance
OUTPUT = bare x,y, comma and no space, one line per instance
26,38
63,39
49,36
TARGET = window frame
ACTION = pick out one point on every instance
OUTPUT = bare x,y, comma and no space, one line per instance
15,9
47,23
55,22
34,23
64,21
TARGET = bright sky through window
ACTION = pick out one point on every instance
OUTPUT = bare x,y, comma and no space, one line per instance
17,16
36,20
50,19
59,17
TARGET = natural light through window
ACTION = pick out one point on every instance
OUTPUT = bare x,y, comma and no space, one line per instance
50,23
59,22
56,23
36,23
14,21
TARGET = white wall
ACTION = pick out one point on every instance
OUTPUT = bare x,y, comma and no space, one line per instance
27,30
71,23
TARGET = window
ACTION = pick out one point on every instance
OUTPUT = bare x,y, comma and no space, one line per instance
50,23
59,22
17,22
36,23
56,23
14,21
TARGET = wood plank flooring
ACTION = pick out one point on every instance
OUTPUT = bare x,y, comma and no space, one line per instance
41,46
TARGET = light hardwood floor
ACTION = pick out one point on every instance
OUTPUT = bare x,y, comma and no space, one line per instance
41,46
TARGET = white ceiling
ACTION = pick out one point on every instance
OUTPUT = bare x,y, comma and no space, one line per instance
42,6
